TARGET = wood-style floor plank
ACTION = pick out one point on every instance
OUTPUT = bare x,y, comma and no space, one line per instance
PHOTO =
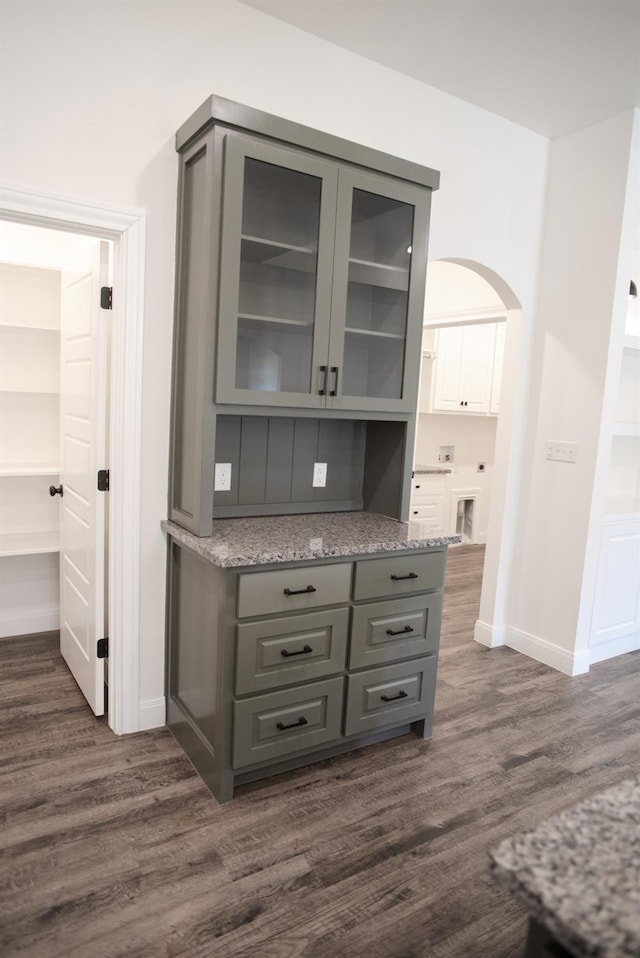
112,847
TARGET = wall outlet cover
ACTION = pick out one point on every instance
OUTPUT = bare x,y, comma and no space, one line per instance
559,451
319,475
222,477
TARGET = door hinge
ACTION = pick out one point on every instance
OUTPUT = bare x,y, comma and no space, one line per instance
103,480
102,650
106,297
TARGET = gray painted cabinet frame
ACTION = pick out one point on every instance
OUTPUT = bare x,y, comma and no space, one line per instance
221,710
203,333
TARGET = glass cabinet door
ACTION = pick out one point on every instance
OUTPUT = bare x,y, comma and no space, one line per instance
275,276
379,276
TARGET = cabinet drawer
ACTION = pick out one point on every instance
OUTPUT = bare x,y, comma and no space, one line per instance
395,575
268,727
288,590
290,650
396,629
431,510
390,696
422,486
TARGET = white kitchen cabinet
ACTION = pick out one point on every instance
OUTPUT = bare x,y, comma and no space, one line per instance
29,447
498,362
429,502
463,369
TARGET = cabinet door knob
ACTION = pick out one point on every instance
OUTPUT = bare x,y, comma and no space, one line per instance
323,387
56,490
334,391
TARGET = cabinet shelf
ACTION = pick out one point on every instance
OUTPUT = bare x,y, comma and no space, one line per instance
257,249
29,543
626,429
378,274
622,506
28,392
276,320
373,332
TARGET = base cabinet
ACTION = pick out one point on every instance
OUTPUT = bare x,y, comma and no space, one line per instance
274,668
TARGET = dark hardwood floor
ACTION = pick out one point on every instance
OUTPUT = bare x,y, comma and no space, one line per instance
113,847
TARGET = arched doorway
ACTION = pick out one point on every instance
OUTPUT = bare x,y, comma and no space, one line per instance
468,303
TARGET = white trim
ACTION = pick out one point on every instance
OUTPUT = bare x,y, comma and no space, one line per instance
152,713
619,646
485,634
127,230
542,650
26,621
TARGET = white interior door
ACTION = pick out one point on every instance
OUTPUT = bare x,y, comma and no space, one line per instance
83,425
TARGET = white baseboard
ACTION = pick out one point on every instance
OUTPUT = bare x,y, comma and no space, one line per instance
547,652
485,634
619,646
27,621
152,714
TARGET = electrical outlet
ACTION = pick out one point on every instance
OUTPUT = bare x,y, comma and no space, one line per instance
561,451
319,474
222,477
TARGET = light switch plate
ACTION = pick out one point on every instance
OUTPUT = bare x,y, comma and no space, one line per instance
222,477
559,451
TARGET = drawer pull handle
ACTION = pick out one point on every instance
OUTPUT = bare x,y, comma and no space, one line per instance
397,578
392,698
407,628
309,588
304,651
301,721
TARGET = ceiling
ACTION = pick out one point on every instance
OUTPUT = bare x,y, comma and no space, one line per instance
553,66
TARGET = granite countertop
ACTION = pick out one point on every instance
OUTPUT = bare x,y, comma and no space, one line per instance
431,471
264,539
579,873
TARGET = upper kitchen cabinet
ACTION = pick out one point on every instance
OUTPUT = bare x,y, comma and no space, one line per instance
301,264
321,294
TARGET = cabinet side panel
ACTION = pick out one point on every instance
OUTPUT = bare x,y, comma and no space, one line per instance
189,351
384,474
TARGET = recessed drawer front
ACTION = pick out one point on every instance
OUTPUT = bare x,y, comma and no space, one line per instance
261,593
426,510
390,696
397,629
290,650
395,575
269,727
422,486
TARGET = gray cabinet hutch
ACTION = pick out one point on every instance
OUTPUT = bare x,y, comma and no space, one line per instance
301,264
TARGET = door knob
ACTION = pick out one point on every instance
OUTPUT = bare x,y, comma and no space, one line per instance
56,490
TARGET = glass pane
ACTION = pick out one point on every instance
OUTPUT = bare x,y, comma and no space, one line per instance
377,296
278,265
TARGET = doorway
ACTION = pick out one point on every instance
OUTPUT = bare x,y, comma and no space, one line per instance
53,405
470,383
126,231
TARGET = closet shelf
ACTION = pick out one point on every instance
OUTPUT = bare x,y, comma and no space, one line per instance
29,543
25,469
12,328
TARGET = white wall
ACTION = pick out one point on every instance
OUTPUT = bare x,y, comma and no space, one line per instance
581,291
92,96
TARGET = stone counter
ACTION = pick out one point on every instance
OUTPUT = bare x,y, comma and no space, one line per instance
266,539
579,873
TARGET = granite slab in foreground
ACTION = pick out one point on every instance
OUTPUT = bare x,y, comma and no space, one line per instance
579,873
265,539
431,471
